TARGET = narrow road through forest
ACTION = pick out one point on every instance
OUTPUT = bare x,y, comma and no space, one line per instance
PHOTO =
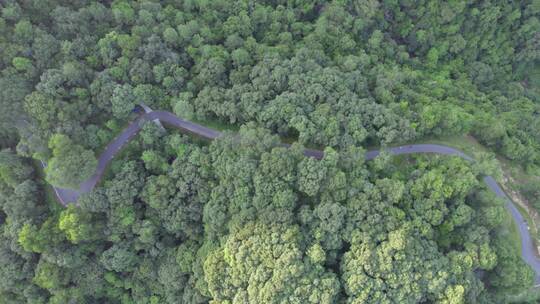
66,196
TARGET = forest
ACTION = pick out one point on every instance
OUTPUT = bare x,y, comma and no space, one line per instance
243,219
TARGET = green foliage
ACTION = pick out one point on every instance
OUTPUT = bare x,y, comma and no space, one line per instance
119,258
487,164
13,88
122,101
183,108
393,271
13,169
311,175
510,273
70,164
176,220
49,276
265,264
153,161
22,64
77,225
170,36
23,31
34,239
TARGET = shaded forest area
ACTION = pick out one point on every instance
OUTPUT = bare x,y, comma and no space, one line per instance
180,220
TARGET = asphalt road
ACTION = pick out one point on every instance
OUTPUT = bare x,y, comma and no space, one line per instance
66,196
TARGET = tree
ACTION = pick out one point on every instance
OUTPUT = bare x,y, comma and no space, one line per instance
78,225
151,134
119,258
170,36
173,281
22,64
182,107
50,276
70,164
24,202
15,267
395,269
487,164
23,31
122,101
95,201
154,161
39,240
243,218
310,176
43,108
123,12
13,88
511,272
13,169
175,196
260,263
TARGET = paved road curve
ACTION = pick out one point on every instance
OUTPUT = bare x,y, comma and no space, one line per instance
66,196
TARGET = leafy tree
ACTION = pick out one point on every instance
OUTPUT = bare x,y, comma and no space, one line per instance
122,101
154,161
183,108
510,272
34,239
265,264
243,219
70,164
170,36
77,225
50,276
311,174
24,202
13,169
487,164
119,204
23,31
395,270
13,88
22,64
119,258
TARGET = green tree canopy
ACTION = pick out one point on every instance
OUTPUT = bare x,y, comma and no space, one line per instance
71,164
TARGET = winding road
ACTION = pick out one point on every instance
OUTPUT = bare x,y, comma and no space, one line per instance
66,196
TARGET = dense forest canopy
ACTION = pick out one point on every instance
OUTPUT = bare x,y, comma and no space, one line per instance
243,220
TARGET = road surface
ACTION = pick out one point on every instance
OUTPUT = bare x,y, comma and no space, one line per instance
66,196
